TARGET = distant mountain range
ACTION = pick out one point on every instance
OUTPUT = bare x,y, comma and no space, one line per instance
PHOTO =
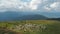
12,15
20,16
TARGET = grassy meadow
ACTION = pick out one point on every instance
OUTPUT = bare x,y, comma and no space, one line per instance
30,27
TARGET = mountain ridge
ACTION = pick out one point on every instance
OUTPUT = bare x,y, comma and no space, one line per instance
21,16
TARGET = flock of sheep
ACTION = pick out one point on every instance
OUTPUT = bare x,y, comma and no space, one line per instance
30,27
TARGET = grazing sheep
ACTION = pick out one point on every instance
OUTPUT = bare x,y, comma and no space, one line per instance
31,27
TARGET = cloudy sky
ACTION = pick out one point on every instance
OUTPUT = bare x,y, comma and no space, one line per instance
33,5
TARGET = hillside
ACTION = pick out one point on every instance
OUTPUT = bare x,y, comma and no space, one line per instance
32,17
6,16
31,27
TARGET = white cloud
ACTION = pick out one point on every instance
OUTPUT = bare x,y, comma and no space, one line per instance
47,8
32,5
14,4
6,4
55,6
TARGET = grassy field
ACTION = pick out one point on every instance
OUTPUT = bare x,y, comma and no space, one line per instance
30,27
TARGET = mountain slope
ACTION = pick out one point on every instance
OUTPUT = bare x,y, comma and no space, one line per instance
21,16
33,17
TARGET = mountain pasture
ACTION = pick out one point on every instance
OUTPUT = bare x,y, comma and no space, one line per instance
30,27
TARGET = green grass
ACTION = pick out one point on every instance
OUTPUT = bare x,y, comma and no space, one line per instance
53,27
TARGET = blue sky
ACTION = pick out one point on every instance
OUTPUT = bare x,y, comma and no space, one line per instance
30,5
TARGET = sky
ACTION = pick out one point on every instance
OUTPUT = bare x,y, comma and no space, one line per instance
36,6
33,5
